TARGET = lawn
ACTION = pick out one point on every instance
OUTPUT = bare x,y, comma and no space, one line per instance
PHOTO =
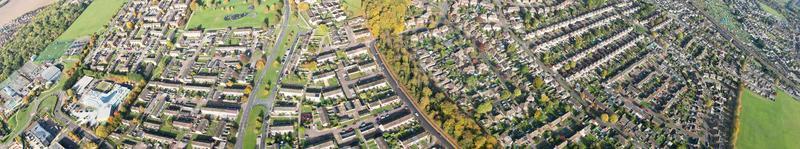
353,8
54,50
284,45
771,11
253,127
213,17
768,124
92,20
20,120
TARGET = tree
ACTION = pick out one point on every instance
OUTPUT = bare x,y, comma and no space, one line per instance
604,117
538,82
505,94
260,64
386,16
484,107
517,92
303,6
89,145
310,66
129,25
426,92
544,98
101,131
614,118
537,115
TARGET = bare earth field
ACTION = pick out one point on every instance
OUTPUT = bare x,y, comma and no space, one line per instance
16,8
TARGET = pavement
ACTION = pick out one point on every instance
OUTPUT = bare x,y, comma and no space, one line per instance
424,120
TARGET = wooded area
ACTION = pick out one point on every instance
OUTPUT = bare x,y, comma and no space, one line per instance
386,15
432,99
35,36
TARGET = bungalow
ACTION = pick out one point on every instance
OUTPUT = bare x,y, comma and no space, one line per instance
158,136
313,94
389,100
324,141
281,127
395,119
357,50
332,92
363,86
291,90
183,123
221,109
197,88
284,108
233,92
414,139
323,116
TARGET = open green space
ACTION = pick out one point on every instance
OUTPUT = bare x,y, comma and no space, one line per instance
213,16
763,123
353,7
93,20
253,126
771,11
54,50
272,73
20,120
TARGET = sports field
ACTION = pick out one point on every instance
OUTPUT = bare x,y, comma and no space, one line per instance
240,13
768,124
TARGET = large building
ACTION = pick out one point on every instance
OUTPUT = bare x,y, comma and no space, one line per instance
42,133
98,99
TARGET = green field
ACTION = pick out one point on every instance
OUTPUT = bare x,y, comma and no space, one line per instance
54,50
771,11
92,20
768,124
213,17
253,127
353,7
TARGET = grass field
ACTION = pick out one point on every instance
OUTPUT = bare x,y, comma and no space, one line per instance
54,50
768,124
213,17
353,7
771,11
253,127
92,20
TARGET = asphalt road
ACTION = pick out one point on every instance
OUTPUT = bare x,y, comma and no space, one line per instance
407,101
253,101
